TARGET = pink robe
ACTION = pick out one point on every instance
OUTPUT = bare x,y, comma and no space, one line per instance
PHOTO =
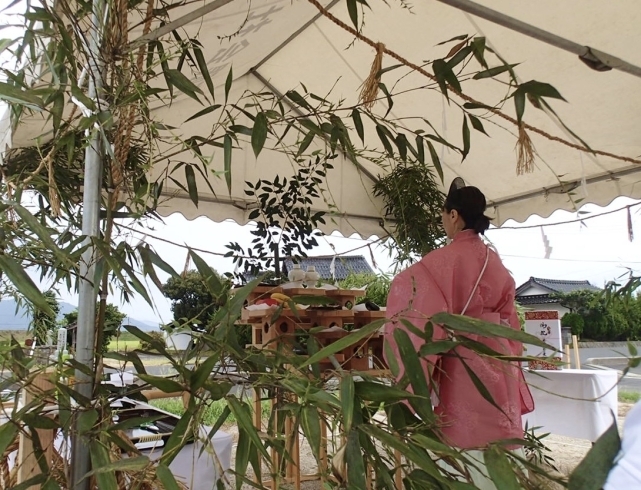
443,281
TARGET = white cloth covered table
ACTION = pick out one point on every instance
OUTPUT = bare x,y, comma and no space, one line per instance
198,471
195,470
585,407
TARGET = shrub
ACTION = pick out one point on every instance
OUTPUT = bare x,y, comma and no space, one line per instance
574,322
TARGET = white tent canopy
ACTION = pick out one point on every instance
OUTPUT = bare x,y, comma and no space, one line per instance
283,43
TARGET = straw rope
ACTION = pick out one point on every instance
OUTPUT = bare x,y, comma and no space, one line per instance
522,126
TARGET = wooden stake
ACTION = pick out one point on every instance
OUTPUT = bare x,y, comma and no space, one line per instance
398,476
568,361
258,422
28,462
577,358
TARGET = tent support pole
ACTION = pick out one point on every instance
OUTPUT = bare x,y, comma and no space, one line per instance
85,355
179,22
594,58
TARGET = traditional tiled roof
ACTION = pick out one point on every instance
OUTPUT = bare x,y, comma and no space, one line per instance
343,266
536,299
556,285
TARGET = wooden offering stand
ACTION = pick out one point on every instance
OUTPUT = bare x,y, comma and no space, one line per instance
278,333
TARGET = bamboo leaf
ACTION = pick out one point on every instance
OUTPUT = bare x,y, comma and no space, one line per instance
242,456
415,373
241,412
204,112
124,464
8,433
477,124
311,423
492,72
297,98
455,38
86,420
386,143
182,83
202,66
390,356
259,133
459,56
358,124
212,280
100,459
202,374
380,393
24,284
307,140
354,337
5,43
227,149
500,470
190,176
541,89
436,161
80,95
13,95
228,82
480,387
439,67
472,325
474,105
165,385
466,138
439,347
178,438
519,103
354,459
166,477
390,101
347,402
419,457
352,9
593,470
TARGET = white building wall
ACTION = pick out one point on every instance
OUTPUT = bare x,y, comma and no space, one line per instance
533,290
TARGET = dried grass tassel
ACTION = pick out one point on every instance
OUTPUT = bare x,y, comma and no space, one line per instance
369,89
54,197
525,153
630,229
187,263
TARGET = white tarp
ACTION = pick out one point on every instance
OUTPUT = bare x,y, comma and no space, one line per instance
285,42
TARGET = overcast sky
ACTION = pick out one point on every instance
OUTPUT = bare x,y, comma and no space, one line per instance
598,251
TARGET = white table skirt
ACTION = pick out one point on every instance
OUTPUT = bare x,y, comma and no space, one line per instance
195,470
576,403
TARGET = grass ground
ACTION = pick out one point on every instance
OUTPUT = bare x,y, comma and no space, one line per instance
211,413
629,396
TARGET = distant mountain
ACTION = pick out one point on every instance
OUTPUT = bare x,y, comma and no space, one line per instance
10,319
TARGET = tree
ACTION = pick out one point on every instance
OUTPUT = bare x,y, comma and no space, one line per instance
603,319
191,300
378,286
42,321
113,321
